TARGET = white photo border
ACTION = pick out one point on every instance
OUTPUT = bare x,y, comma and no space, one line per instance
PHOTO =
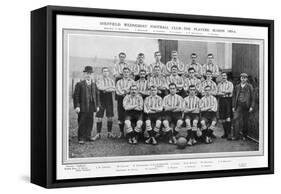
94,167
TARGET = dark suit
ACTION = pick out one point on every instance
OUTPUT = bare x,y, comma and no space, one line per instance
86,97
242,100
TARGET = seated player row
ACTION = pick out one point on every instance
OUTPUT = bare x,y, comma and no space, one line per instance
172,110
166,69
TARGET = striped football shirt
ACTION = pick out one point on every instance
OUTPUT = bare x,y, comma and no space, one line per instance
131,100
213,67
209,102
142,85
123,86
178,63
191,102
139,66
153,102
159,81
159,64
172,101
178,80
118,68
197,67
105,83
225,87
210,83
192,81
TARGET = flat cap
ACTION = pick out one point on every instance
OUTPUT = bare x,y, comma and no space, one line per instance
243,75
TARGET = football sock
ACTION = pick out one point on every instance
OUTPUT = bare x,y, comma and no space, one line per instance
109,126
99,125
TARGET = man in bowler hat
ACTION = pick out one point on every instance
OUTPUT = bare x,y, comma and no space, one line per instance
242,104
86,102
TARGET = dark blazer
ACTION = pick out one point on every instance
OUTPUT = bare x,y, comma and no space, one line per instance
81,99
250,101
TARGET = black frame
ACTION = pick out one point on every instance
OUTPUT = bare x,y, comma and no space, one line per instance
43,99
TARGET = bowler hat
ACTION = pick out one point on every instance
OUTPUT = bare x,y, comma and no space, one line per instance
88,69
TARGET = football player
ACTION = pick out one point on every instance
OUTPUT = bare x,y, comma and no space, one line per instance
172,121
225,90
214,68
122,89
133,105
191,115
175,62
208,107
177,80
153,106
106,87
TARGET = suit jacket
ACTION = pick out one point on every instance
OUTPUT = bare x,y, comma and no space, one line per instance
250,101
82,100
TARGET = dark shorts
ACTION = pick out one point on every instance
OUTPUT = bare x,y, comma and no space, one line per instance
120,108
191,116
209,116
172,117
133,115
106,106
153,117
225,106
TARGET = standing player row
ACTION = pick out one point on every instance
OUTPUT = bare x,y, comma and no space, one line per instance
166,69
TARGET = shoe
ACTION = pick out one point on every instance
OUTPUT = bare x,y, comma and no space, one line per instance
130,141
224,136
174,139
110,135
121,136
189,142
154,142
234,138
96,137
194,141
134,140
171,141
210,140
81,142
148,140
207,141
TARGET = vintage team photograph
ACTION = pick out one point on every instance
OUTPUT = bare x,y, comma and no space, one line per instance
141,95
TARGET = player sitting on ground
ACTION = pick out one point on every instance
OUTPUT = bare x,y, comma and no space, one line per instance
208,107
191,114
153,106
172,113
133,105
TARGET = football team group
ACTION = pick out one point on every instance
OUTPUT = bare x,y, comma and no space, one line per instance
158,101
